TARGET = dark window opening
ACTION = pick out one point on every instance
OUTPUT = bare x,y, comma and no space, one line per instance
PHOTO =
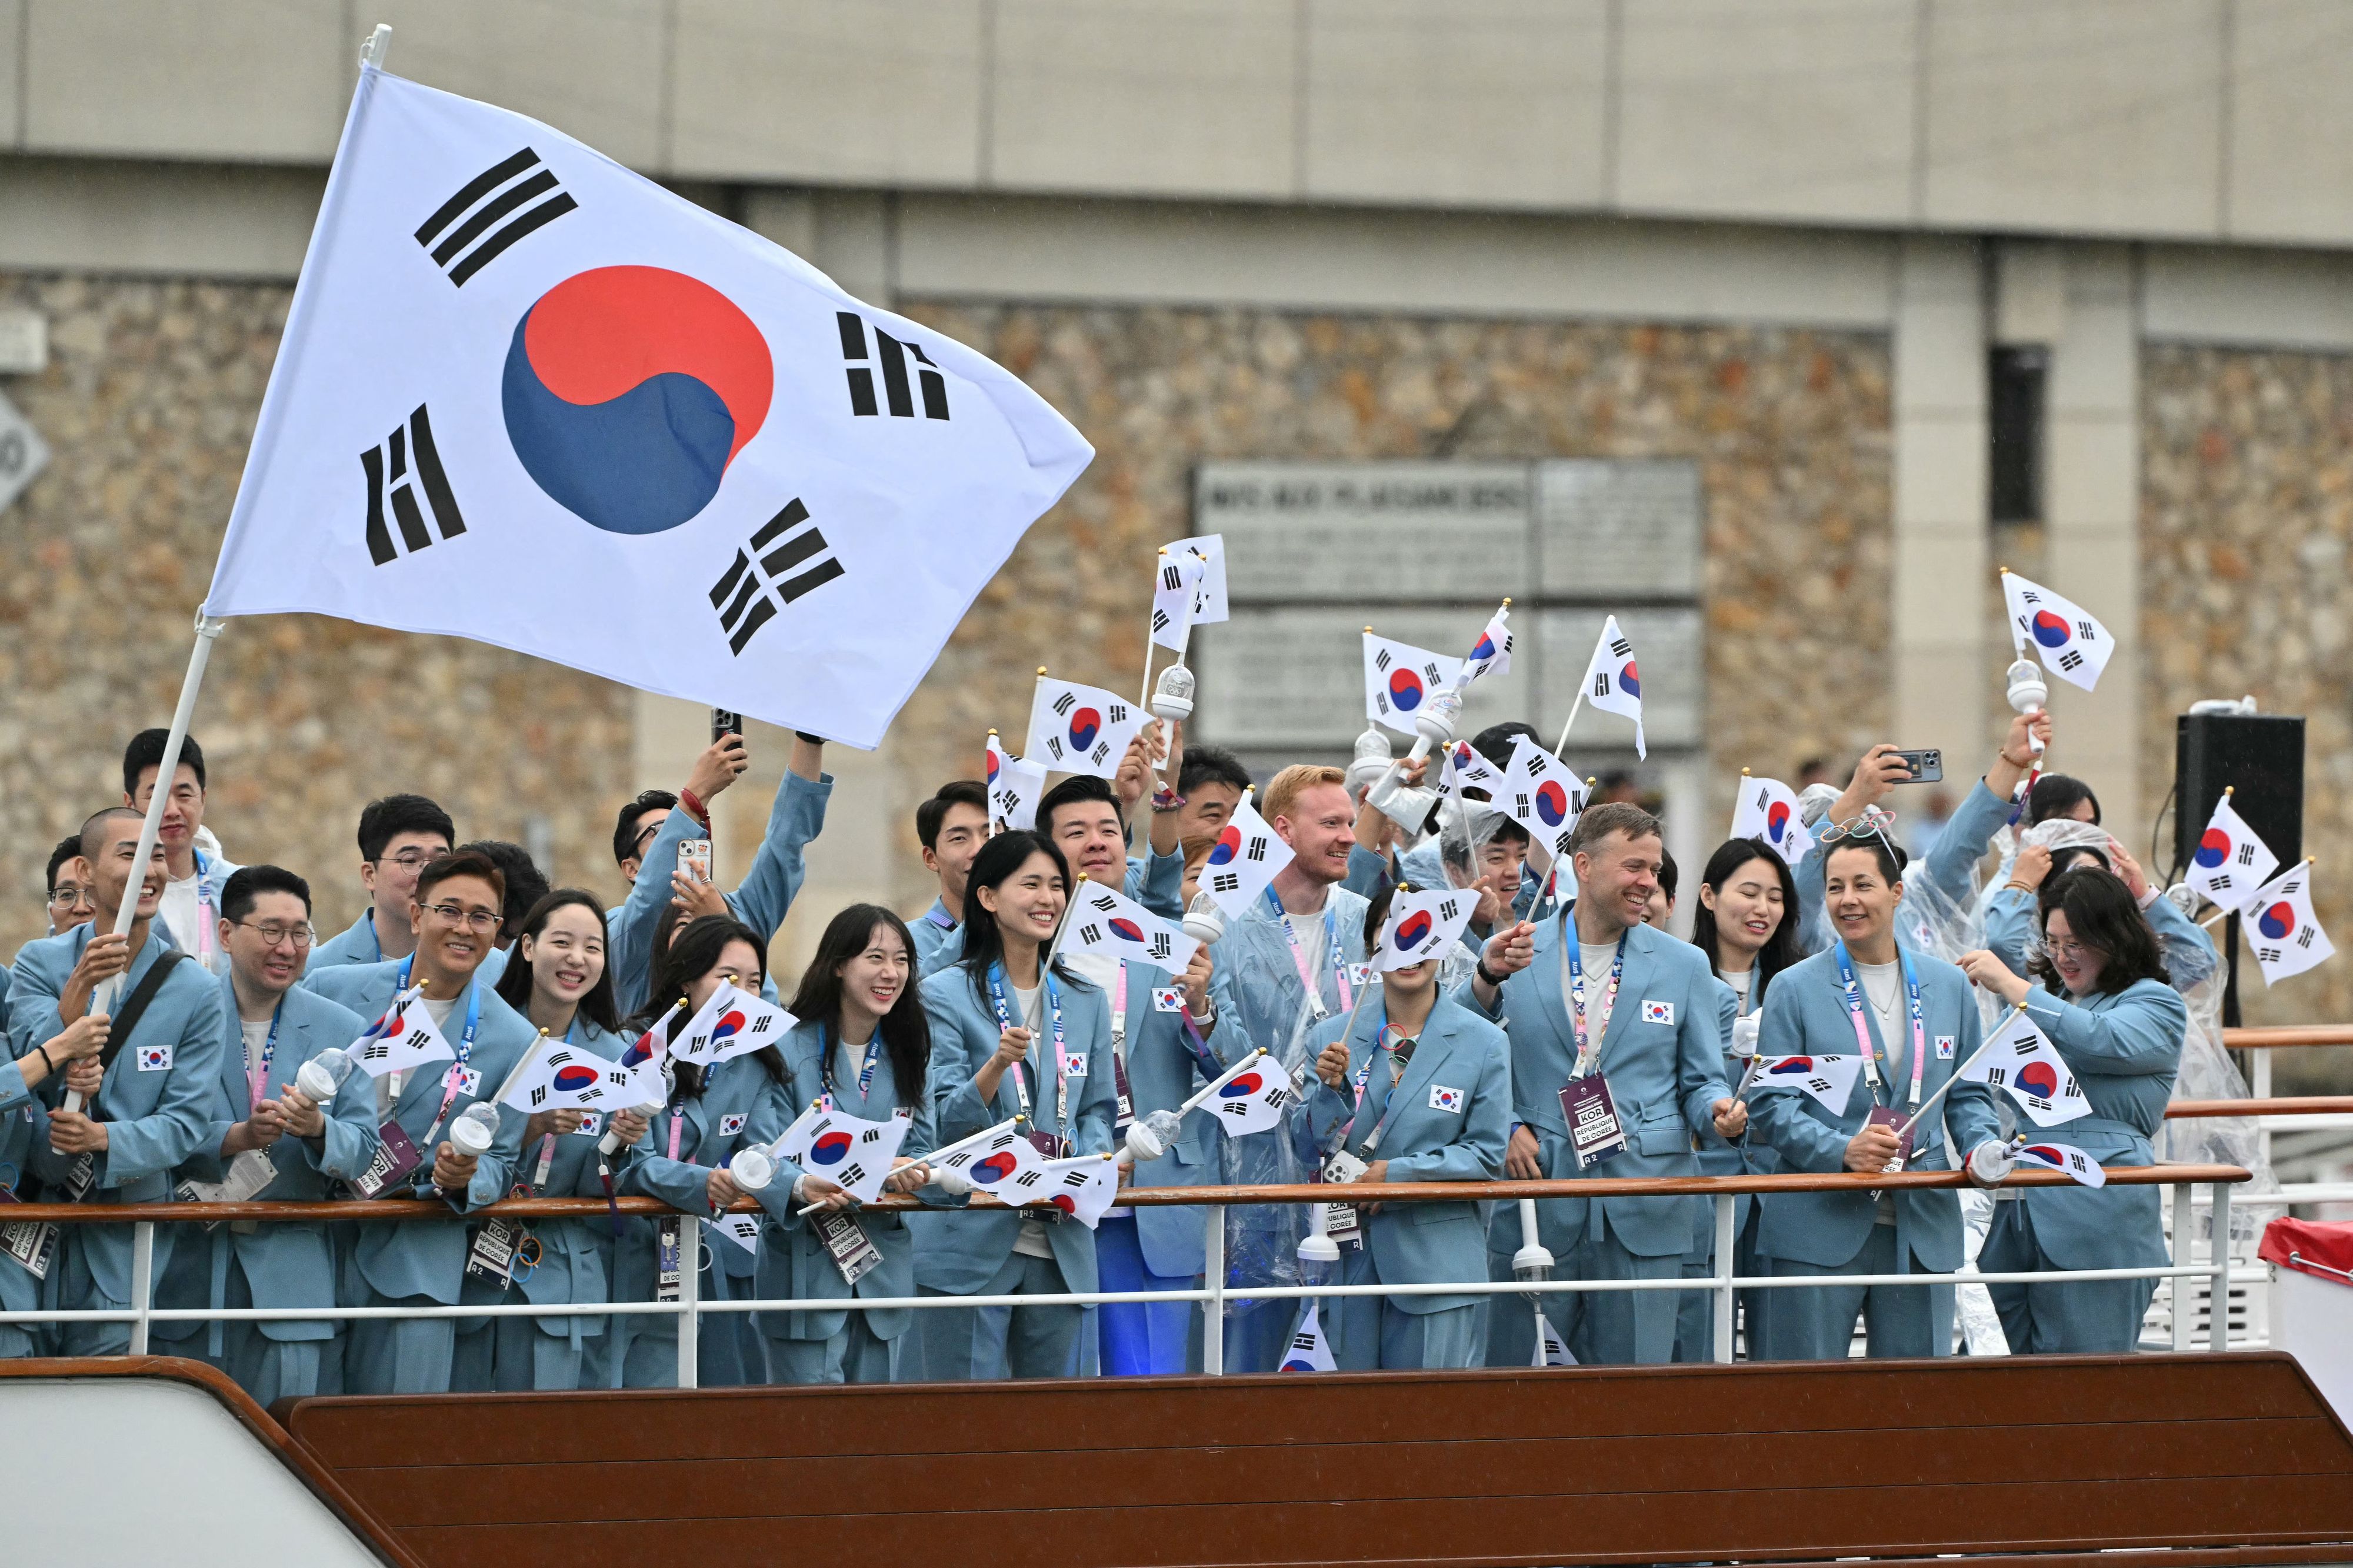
2014,391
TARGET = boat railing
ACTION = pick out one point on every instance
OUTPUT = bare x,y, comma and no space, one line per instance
1216,1289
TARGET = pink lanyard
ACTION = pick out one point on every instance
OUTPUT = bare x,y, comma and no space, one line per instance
256,1075
1853,990
1331,950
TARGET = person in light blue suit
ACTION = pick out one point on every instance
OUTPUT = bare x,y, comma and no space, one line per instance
559,983
2118,1024
399,835
1085,817
683,1162
24,1132
455,915
273,1027
1421,1090
2012,915
148,1109
1595,994
759,903
1746,927
862,1034
951,826
1914,1020
1012,1035
1292,960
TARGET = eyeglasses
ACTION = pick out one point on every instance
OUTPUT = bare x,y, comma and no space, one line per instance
412,859
2067,947
482,922
647,836
272,933
69,897
1870,824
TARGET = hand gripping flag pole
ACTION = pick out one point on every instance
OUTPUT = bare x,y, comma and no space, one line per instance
208,626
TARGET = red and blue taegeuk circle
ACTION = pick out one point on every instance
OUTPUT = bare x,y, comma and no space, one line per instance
831,1148
2213,848
1229,845
1085,725
2039,1079
1630,679
628,390
1405,689
1126,930
1552,802
1242,1085
2049,630
1790,1067
571,1078
1413,930
2277,921
1776,821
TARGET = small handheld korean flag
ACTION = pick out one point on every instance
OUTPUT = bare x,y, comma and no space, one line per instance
1077,729
1209,593
742,1229
732,1022
1612,682
1466,768
1014,787
1552,1352
1767,809
2283,930
1253,1099
403,1038
2074,646
1083,1188
1006,1164
572,1077
2022,1060
1540,793
1175,585
1244,860
1423,926
2062,1157
1106,922
1493,651
1830,1080
1310,1351
1400,679
2231,863
844,1149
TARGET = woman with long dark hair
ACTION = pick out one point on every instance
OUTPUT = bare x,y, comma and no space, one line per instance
683,1162
2107,1004
556,978
1009,1038
1747,924
863,1042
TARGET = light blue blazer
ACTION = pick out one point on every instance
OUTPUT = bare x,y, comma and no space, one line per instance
1452,1120
156,1115
1663,1057
355,943
713,1125
23,1129
287,1265
572,1254
2124,1048
958,1252
793,1263
417,1258
1805,1014
1167,1062
939,940
761,902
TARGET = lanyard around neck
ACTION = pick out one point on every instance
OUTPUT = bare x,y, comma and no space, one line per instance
1854,1003
1589,1036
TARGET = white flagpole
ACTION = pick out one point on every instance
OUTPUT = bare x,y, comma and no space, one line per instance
1228,1076
1561,747
1930,1103
151,827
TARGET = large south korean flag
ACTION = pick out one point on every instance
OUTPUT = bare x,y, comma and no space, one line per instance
528,397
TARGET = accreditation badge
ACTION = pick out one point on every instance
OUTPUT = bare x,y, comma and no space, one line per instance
1595,1133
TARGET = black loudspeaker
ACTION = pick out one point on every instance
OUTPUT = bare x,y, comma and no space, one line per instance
2260,758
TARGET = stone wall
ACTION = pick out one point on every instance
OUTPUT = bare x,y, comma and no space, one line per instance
1790,429
148,402
2246,510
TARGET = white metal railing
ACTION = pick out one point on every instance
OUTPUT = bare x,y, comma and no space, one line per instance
1214,1292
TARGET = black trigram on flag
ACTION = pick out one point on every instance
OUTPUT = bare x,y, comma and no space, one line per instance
785,560
450,235
892,353
406,463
